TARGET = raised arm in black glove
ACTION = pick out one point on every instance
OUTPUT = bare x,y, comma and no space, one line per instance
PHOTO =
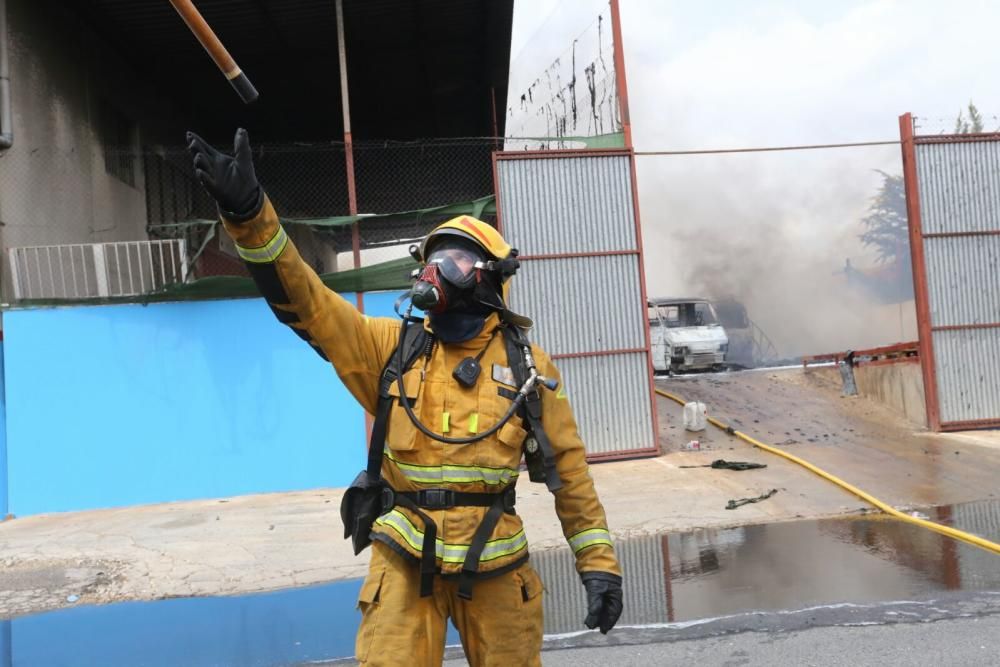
604,599
229,179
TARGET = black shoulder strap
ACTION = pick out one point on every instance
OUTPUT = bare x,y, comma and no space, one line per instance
417,341
532,410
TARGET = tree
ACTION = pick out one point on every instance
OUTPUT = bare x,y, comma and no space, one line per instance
886,227
887,231
973,124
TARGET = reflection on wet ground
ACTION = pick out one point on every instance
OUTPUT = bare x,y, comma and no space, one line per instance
717,572
670,579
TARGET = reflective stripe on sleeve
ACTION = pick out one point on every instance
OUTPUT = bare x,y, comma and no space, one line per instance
588,538
451,553
453,474
268,252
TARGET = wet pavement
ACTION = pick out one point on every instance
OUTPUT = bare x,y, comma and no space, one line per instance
852,570
853,438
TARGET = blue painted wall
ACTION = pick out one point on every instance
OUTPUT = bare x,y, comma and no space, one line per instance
3,452
122,405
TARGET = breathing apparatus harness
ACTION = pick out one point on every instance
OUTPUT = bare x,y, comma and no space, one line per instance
370,496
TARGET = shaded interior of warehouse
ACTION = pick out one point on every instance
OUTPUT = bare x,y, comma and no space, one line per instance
427,87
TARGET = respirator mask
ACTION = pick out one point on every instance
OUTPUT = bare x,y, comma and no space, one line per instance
449,279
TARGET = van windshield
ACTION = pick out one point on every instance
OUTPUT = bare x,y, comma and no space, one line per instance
695,314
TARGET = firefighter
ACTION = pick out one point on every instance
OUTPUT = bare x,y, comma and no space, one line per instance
456,416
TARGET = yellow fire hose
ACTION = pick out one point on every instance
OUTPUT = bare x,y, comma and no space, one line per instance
968,538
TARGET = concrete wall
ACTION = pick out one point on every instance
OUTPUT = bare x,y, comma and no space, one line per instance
54,187
121,405
899,386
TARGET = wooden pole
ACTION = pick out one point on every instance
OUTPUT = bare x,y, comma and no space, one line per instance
207,38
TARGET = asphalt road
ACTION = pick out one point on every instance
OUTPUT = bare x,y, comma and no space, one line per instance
953,630
972,642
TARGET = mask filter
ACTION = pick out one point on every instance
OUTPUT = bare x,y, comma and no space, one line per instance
428,294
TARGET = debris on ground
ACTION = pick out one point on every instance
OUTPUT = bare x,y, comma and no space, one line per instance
733,504
722,464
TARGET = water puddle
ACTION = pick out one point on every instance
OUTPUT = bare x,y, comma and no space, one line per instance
716,572
670,579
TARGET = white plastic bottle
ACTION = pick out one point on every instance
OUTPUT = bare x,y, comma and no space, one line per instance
695,416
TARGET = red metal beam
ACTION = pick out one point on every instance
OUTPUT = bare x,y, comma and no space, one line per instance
821,358
961,327
953,138
970,425
919,271
562,152
645,452
574,255
948,235
601,353
912,359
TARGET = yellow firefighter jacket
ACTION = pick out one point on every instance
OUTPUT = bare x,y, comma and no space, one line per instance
359,346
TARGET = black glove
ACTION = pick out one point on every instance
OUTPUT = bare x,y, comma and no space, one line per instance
230,180
604,599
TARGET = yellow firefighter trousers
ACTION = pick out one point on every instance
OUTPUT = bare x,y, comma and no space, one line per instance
500,625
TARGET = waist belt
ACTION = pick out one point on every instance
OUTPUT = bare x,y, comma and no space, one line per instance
442,499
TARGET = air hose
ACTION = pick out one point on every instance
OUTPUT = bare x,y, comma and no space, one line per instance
948,531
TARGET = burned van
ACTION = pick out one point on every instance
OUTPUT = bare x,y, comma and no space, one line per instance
685,335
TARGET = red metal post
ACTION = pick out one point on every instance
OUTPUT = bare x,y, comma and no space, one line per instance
645,298
493,113
668,580
496,190
924,332
616,32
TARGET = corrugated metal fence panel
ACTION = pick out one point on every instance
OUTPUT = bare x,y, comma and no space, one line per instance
963,279
570,205
611,406
645,581
577,305
959,186
567,204
967,363
959,193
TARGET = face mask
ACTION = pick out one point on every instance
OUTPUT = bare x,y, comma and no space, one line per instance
449,279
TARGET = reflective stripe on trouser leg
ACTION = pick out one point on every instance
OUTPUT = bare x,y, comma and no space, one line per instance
398,627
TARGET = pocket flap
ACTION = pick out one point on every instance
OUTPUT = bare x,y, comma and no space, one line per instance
371,587
531,584
411,380
511,434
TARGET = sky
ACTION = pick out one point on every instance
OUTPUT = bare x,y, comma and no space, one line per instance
775,229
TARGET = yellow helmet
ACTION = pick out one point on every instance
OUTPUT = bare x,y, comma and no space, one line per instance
492,242
482,234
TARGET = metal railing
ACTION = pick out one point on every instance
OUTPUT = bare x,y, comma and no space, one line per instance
900,352
78,271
